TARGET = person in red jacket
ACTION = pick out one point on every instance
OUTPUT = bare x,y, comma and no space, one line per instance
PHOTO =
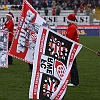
53,11
72,33
9,26
81,8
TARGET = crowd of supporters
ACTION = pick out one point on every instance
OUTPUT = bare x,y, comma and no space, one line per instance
63,3
56,5
14,4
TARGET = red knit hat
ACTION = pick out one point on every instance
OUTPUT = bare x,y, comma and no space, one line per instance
10,14
71,18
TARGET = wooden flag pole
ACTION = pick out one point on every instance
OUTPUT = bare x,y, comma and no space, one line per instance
97,53
89,49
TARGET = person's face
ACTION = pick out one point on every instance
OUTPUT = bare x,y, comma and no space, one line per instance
8,17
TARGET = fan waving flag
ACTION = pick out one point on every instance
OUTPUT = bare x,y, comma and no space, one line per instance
23,45
52,64
3,49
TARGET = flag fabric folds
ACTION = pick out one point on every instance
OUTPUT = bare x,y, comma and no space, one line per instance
4,49
52,64
51,54
23,45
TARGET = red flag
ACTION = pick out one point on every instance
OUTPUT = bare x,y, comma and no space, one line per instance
23,45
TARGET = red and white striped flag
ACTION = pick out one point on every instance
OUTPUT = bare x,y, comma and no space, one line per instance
23,45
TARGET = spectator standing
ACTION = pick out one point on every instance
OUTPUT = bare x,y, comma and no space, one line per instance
89,5
76,3
82,2
2,2
58,9
11,1
99,4
9,26
53,4
5,7
12,7
64,5
53,11
69,5
34,5
30,1
1,7
6,1
72,33
16,7
75,10
81,8
46,11
20,7
45,4
94,13
88,9
39,5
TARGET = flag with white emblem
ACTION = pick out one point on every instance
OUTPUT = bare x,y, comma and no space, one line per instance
52,64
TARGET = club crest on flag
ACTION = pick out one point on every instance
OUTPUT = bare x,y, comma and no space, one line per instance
57,49
60,68
48,86
53,61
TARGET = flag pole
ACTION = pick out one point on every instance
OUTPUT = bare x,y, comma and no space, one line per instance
97,53
89,49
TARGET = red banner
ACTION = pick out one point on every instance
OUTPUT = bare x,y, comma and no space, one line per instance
23,45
